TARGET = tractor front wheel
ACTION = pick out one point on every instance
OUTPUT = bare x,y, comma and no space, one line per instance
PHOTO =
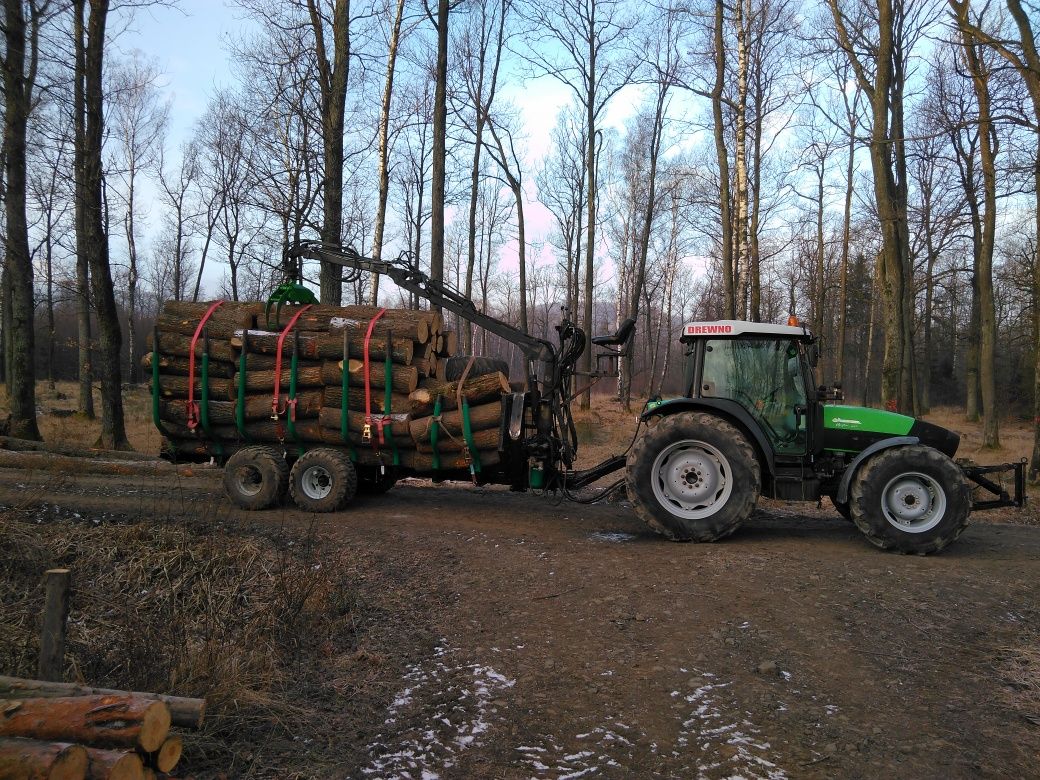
910,499
693,477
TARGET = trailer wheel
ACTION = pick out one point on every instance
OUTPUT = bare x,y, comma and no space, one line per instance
255,478
693,477
322,480
910,499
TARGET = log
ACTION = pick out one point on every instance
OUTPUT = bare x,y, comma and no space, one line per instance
114,765
167,756
124,721
177,387
487,439
256,407
29,759
399,402
422,462
404,379
179,365
184,712
184,317
179,344
477,390
328,346
405,323
481,418
307,375
24,445
330,417
307,431
449,344
62,464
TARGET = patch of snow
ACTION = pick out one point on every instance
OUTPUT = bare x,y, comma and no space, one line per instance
612,536
455,697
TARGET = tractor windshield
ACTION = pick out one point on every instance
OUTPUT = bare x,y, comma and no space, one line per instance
765,377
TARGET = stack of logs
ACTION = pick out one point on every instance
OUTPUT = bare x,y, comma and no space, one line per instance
65,731
406,350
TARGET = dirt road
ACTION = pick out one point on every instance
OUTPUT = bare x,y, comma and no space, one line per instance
570,642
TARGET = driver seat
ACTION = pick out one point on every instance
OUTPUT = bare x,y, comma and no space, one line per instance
624,333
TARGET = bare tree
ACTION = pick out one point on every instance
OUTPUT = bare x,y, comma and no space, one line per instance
19,64
583,48
110,337
877,42
137,124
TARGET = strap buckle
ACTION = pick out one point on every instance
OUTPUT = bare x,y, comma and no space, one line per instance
366,433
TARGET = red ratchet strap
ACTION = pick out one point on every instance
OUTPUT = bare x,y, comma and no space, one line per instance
291,405
193,405
366,434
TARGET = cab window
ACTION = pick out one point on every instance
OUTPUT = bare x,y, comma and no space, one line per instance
765,377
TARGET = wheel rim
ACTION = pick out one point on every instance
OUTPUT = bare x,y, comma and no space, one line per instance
250,480
913,502
692,479
316,482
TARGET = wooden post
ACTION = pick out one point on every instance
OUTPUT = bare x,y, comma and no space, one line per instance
55,614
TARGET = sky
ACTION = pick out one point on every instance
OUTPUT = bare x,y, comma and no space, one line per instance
190,45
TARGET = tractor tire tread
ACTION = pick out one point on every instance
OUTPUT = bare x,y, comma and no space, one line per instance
863,498
717,526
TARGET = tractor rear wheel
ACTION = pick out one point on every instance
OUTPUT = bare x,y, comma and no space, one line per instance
255,478
910,499
322,480
693,477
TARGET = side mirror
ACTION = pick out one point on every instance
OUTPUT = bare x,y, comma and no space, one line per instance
813,354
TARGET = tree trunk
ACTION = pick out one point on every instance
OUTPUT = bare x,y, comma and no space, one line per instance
113,430
440,122
384,146
18,96
332,83
722,157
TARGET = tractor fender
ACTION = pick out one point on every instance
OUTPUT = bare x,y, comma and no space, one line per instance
884,444
729,410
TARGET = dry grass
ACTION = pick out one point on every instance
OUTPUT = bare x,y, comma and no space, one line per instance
280,631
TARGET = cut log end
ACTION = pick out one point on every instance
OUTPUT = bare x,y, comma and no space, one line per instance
114,765
169,754
70,764
155,727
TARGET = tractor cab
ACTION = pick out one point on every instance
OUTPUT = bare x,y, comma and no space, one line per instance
766,370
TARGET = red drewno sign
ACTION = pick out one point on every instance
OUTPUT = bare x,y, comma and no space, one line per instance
697,330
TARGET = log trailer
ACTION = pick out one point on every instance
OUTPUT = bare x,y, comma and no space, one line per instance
751,422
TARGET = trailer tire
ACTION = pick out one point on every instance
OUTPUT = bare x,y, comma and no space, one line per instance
693,477
255,478
911,499
322,480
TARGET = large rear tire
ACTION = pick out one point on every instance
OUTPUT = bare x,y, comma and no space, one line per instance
693,477
255,478
322,480
910,499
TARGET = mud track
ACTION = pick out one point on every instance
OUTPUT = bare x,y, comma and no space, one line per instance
581,645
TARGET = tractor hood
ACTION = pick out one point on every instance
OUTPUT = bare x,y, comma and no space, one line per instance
854,428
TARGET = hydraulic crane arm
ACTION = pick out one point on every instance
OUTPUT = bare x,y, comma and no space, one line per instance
409,277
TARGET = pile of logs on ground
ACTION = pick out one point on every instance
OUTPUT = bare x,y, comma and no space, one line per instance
322,375
62,731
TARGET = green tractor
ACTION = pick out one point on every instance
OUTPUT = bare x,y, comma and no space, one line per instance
753,422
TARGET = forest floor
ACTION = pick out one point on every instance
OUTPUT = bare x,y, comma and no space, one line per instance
454,631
